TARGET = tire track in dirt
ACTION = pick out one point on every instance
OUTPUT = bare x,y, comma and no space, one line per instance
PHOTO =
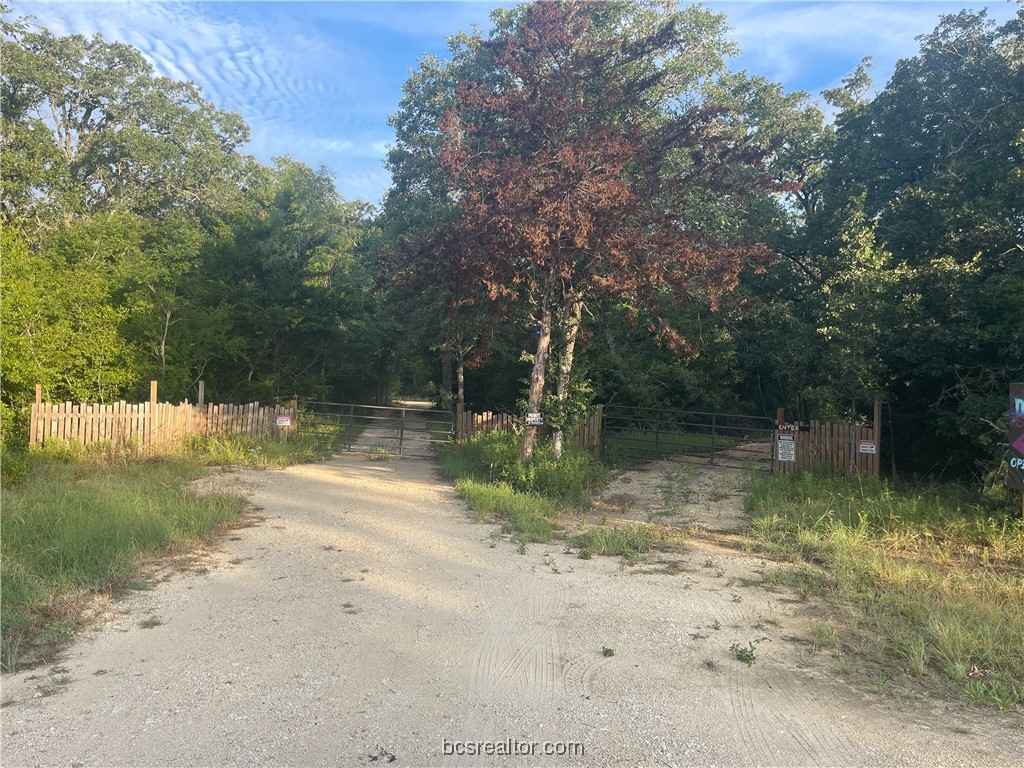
367,617
521,651
579,674
764,695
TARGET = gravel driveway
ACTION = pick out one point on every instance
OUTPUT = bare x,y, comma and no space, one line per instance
368,620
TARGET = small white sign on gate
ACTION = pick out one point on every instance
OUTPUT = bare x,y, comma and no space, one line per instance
284,421
787,447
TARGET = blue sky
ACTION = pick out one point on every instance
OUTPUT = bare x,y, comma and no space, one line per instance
318,80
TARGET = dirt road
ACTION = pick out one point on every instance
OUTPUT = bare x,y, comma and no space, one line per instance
367,620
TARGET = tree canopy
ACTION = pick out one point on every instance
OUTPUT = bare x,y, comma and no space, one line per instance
139,242
583,164
586,205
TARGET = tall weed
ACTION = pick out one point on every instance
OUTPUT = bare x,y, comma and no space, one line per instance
71,529
243,450
494,457
530,518
936,572
529,497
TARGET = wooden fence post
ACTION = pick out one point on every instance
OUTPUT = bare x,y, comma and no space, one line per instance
780,418
151,425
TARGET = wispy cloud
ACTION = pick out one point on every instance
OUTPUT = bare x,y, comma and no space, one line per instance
288,80
332,145
367,184
812,45
317,81
422,20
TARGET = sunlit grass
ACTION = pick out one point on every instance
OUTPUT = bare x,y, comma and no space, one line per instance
529,517
528,499
245,451
934,574
630,540
494,457
79,523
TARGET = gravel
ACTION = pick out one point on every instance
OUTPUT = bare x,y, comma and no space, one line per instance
365,619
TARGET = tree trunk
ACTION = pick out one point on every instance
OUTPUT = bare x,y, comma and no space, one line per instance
460,382
386,399
573,317
540,364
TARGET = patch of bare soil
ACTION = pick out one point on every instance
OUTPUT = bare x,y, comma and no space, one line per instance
696,497
368,620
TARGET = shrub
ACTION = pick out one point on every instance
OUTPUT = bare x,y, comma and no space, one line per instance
494,456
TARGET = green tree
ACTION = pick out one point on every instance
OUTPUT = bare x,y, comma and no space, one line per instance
282,287
936,158
584,163
88,126
61,324
112,181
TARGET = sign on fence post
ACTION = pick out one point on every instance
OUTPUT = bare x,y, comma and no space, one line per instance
1015,432
787,447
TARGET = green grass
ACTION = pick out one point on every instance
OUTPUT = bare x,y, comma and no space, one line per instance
245,451
529,499
534,501
933,576
78,524
494,457
628,541
529,517
333,431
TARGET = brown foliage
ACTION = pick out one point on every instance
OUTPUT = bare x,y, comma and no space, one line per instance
573,180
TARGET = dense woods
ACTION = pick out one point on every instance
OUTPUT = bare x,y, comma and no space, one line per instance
586,206
140,243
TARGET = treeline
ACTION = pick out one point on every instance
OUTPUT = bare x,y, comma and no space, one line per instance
897,228
140,243
819,264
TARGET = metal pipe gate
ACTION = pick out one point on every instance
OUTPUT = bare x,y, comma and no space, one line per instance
377,430
715,439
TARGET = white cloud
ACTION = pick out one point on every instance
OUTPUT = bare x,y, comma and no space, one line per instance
332,145
427,20
820,42
317,81
287,78
366,184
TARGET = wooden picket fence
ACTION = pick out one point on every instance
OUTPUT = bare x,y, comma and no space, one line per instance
587,435
834,449
153,425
